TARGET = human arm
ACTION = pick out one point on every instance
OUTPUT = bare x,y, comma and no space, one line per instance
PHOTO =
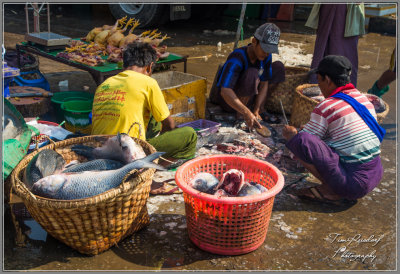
260,98
167,124
231,99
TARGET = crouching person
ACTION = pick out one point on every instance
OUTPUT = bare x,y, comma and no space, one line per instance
132,97
340,145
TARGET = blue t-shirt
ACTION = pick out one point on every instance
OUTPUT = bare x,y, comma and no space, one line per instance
238,62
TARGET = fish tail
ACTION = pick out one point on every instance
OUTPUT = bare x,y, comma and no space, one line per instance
152,157
85,151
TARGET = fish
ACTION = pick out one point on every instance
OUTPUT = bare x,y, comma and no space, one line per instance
312,91
70,186
232,181
248,190
221,193
120,148
204,182
98,164
43,164
260,187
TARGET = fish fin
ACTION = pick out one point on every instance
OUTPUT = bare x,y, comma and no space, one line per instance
72,163
85,151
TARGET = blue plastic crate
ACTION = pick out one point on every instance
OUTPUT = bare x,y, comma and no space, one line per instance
202,127
39,83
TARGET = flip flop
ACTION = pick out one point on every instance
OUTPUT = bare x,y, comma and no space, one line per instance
317,196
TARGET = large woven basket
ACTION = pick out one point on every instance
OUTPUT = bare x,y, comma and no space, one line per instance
302,106
93,224
284,91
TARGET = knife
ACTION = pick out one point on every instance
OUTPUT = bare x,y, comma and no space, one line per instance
283,111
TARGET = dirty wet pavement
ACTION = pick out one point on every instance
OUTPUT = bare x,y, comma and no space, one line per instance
302,235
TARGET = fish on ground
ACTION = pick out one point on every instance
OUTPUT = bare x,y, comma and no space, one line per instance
69,186
46,162
120,148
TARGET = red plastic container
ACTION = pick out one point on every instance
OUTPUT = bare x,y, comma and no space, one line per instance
229,225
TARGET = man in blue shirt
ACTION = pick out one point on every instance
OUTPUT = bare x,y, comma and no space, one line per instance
243,80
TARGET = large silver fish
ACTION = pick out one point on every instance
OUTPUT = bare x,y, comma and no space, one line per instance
98,164
120,148
45,163
204,182
69,186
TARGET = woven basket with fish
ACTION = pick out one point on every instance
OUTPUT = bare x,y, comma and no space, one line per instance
284,91
90,225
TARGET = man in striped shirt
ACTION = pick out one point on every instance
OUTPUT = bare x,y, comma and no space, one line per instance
242,84
337,145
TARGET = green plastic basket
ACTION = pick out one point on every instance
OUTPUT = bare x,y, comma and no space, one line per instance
65,96
77,112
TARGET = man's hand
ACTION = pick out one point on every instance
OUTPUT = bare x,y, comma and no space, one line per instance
251,120
288,132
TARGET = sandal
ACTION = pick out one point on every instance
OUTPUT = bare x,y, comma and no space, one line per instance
317,196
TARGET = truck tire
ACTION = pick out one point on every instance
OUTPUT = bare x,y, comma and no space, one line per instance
149,15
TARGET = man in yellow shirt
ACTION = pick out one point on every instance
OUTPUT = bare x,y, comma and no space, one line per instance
132,97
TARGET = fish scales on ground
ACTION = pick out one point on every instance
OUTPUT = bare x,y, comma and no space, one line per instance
120,148
44,163
70,186
98,164
204,182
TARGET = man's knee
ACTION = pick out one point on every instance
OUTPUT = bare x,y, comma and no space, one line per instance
278,72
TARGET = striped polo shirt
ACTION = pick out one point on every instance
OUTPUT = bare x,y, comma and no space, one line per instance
339,125
238,61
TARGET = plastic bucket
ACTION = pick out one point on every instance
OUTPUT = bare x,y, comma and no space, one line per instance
60,97
229,225
76,112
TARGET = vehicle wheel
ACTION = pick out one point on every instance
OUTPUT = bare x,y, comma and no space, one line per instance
149,15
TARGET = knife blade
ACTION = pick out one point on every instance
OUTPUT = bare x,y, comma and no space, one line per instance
283,112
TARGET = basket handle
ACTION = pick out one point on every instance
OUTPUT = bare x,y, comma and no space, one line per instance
48,138
140,129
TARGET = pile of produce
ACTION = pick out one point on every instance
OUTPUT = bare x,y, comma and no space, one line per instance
110,41
232,184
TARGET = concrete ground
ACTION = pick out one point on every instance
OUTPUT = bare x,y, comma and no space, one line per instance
301,235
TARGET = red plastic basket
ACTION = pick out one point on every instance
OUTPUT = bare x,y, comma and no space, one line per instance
229,225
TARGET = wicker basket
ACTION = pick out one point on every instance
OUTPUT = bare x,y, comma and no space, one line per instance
302,106
380,116
93,224
284,91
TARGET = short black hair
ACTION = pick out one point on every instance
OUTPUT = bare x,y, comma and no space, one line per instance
139,54
338,81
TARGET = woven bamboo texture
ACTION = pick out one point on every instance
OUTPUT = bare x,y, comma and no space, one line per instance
94,224
284,91
302,106
380,116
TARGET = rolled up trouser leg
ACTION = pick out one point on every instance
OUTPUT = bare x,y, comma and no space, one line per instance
351,181
179,143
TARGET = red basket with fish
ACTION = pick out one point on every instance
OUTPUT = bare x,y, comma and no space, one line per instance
229,225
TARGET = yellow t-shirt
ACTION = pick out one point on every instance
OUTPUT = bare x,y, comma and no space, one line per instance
126,98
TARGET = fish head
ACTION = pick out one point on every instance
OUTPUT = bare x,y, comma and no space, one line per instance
248,190
204,182
49,186
130,149
232,181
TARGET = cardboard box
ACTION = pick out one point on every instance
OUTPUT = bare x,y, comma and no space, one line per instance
184,93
